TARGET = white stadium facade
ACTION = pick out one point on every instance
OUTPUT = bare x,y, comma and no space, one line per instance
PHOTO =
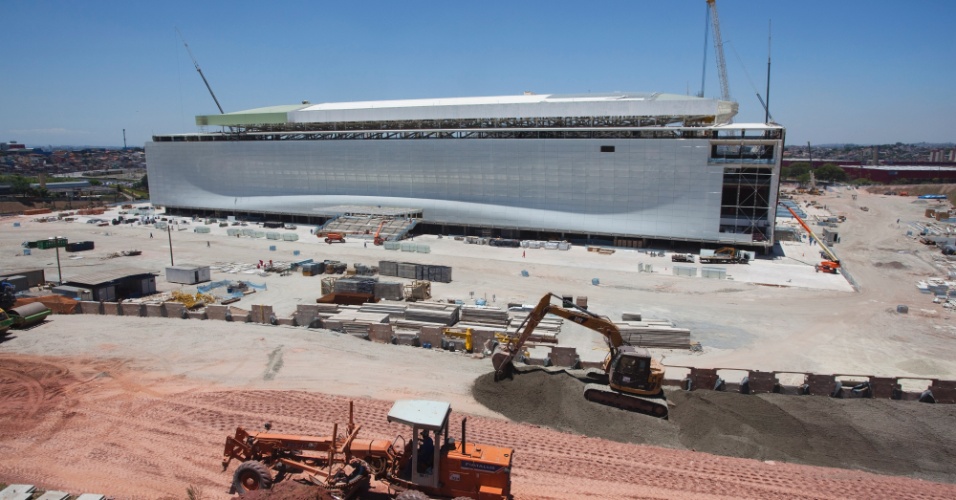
622,168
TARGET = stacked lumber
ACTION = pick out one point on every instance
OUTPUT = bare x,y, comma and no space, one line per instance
432,312
485,316
355,322
661,335
394,311
409,325
327,308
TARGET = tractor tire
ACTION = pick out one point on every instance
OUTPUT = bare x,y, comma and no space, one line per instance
251,476
412,495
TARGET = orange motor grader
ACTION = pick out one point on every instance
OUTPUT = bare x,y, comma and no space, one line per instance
345,466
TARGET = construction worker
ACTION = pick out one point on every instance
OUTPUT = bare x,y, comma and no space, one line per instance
426,453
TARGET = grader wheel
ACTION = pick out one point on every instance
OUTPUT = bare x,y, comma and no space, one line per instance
251,476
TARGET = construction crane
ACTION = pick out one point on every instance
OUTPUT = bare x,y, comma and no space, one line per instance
719,49
827,266
196,64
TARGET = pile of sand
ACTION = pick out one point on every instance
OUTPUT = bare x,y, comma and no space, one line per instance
882,436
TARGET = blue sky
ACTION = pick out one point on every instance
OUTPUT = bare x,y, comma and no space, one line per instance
864,72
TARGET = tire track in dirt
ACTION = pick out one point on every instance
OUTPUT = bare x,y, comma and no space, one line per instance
135,436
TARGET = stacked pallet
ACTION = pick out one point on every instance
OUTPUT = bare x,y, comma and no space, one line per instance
660,334
433,312
485,316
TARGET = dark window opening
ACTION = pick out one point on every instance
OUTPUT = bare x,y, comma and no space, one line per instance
607,149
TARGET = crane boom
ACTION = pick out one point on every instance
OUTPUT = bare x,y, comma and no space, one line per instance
196,64
826,249
719,49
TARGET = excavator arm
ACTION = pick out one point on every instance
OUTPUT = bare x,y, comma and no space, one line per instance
503,360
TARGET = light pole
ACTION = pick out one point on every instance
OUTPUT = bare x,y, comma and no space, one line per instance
59,272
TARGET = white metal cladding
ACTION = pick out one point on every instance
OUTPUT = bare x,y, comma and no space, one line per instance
521,106
661,188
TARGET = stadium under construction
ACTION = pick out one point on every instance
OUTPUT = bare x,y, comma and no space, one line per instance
622,168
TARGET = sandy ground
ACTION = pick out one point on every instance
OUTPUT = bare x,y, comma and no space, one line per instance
138,408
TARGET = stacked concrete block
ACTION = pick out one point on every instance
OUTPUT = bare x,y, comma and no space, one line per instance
174,309
89,307
431,335
154,310
380,333
216,311
306,314
480,339
564,356
132,309
111,309
262,314
286,321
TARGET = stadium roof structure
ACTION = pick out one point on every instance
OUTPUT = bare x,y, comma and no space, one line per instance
527,110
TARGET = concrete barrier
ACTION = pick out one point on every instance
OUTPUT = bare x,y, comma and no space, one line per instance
306,314
431,335
761,382
174,309
380,333
216,312
130,309
944,391
90,307
111,309
154,310
261,314
820,385
564,356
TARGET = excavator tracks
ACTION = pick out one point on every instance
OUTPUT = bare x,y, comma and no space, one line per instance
597,390
604,395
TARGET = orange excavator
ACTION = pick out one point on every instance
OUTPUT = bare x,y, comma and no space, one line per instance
630,379
832,265
378,240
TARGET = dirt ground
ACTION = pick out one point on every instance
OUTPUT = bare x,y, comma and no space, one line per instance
140,407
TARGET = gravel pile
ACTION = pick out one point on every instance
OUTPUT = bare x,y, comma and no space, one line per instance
881,436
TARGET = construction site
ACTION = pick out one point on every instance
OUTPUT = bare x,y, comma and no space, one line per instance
412,299
133,396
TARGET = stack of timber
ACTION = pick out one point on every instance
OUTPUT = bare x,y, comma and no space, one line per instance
654,333
394,311
485,316
433,312
354,322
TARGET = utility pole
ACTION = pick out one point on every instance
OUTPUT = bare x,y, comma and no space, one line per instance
169,233
124,139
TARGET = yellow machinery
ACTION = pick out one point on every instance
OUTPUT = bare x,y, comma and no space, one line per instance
460,333
630,379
